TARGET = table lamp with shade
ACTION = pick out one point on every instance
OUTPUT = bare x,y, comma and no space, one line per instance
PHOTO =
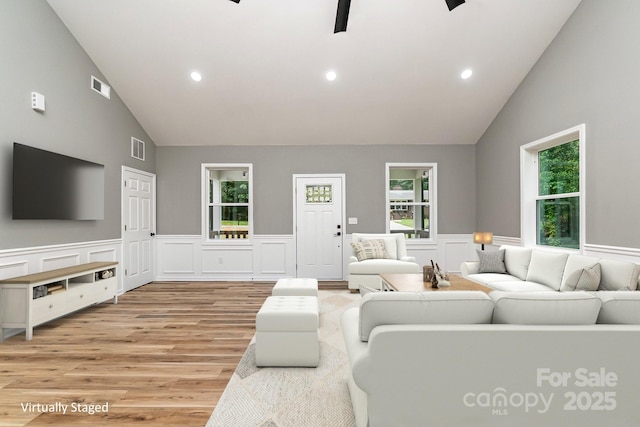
483,238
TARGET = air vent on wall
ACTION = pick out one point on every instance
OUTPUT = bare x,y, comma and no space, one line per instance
100,87
137,149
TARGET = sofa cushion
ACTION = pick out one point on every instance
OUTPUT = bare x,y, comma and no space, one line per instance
619,307
585,279
516,260
491,261
381,266
488,278
370,249
545,308
618,275
419,308
547,268
518,286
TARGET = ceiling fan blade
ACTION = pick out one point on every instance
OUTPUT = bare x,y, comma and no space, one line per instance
452,4
342,16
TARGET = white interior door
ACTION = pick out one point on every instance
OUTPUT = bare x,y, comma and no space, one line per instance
138,217
319,226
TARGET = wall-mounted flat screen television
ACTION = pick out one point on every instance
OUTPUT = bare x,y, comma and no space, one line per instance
48,185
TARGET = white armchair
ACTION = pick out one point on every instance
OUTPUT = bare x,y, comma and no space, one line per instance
367,272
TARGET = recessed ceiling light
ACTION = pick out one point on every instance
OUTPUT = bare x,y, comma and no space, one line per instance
331,75
466,73
196,76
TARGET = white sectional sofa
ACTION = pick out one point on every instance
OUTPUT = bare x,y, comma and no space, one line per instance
503,359
614,282
534,270
529,353
367,272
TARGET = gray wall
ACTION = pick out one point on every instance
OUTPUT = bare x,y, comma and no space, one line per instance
589,74
179,200
40,55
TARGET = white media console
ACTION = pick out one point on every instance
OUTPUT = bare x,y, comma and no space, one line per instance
31,300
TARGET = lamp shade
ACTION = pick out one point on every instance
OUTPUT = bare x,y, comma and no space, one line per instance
483,237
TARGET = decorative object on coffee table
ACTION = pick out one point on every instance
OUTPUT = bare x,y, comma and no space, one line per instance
434,279
427,273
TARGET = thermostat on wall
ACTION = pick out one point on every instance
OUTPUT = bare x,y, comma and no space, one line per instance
37,101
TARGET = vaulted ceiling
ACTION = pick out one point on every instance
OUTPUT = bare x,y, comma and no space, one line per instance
264,63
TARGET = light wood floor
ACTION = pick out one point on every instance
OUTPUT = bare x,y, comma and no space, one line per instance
162,356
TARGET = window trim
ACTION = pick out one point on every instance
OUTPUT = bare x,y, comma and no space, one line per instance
205,167
433,198
529,181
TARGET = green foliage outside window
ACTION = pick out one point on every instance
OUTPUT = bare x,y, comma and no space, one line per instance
234,192
559,218
559,169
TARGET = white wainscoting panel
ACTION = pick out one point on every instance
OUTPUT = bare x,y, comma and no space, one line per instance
275,257
455,253
13,268
270,257
188,257
21,261
176,256
227,260
59,261
449,251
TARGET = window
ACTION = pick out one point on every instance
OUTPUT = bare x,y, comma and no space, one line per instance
227,196
411,199
553,190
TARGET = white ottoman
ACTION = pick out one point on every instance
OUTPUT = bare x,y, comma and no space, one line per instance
287,332
296,287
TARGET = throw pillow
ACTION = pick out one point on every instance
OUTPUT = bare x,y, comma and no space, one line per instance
370,249
586,279
491,261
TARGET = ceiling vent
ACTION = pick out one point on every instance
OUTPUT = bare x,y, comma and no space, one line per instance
100,87
137,149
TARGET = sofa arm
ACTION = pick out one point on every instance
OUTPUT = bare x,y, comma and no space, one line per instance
352,259
408,258
469,267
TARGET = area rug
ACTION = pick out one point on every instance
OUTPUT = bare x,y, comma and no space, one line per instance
294,397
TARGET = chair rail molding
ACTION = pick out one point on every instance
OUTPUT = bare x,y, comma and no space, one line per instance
613,252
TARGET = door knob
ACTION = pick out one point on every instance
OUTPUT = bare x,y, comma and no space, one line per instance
152,234
337,234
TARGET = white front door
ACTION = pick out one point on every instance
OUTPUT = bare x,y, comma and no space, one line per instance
319,226
138,218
